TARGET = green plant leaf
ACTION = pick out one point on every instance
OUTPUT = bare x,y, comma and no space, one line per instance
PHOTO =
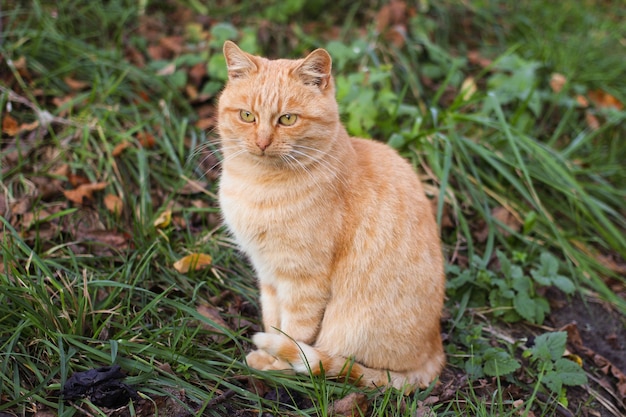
549,346
564,284
570,372
525,307
498,362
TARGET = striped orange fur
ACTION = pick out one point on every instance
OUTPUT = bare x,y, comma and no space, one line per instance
338,229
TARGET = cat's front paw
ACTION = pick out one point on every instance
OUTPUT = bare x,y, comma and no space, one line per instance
263,361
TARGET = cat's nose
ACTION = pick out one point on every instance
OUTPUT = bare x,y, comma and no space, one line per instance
263,142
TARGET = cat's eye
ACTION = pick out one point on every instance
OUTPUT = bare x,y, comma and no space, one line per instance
287,119
246,116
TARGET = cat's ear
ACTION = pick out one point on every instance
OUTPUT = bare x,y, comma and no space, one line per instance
239,63
315,69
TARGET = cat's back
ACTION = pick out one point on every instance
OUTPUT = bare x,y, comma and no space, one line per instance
379,168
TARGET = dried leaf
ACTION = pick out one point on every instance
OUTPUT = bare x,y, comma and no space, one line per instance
197,73
163,220
213,314
557,81
592,120
169,69
582,101
74,84
173,43
468,88
84,192
353,404
10,125
109,239
603,100
77,180
120,147
192,262
504,216
113,203
146,140
475,58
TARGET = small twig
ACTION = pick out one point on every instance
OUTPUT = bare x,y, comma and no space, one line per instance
220,398
45,117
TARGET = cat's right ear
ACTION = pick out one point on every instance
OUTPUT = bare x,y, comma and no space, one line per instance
239,63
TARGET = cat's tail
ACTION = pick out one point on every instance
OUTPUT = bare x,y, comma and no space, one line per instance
306,359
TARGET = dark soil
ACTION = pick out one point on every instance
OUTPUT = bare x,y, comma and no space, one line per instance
602,329
602,332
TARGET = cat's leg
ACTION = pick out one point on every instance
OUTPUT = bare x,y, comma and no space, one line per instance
270,308
259,359
302,304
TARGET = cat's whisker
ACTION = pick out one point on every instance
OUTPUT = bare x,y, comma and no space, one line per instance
325,166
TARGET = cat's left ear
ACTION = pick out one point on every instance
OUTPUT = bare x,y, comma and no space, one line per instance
315,69
238,62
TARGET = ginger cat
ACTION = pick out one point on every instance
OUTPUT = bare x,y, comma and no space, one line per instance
338,230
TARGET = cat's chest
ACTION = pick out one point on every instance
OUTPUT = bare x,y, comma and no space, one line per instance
258,215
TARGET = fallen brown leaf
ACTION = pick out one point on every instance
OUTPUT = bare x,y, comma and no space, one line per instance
192,262
475,58
107,239
507,218
146,139
213,314
173,43
352,405
557,82
74,84
592,120
84,193
10,126
602,99
77,180
120,147
113,203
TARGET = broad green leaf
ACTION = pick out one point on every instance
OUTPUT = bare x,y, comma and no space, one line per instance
553,381
525,307
549,346
570,372
564,284
498,362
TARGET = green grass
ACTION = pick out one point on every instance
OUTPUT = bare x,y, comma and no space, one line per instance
82,287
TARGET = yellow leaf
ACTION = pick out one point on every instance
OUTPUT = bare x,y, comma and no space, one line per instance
193,262
163,220
468,88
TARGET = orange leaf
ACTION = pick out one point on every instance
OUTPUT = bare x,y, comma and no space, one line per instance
75,85
77,180
192,262
146,140
83,193
28,127
113,203
602,99
10,125
557,81
120,147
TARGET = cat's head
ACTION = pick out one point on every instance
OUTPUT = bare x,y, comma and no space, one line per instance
281,112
